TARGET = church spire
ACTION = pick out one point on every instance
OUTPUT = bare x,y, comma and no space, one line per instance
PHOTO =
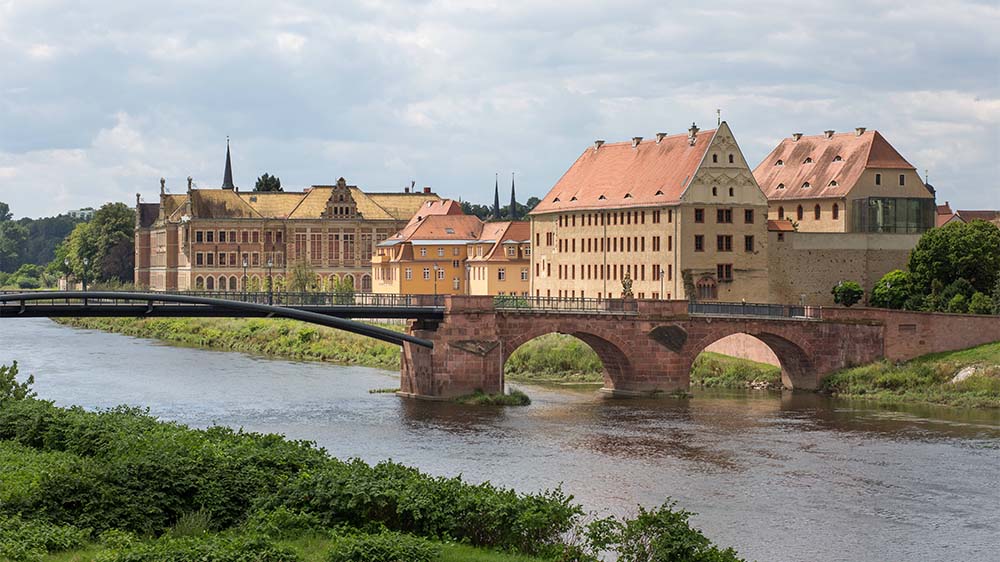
227,180
513,200
496,198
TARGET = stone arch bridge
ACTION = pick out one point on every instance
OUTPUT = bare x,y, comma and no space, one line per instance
649,346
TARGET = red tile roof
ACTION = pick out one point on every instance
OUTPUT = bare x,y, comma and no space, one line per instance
783,225
827,177
445,207
619,175
988,216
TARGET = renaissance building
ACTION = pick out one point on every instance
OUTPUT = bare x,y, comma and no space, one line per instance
228,240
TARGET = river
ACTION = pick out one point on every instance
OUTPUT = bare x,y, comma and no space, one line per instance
779,476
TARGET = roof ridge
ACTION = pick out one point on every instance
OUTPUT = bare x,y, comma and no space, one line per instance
352,189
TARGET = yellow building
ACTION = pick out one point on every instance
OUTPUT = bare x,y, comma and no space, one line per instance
444,252
657,211
845,182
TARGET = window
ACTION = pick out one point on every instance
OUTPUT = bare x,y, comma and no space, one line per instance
455,264
209,259
730,192
222,236
210,236
798,213
707,289
199,259
816,212
440,273
423,252
715,191
781,213
748,243
408,273
524,274
455,284
427,273
779,163
440,252
724,271
878,179
715,158
699,243
198,236
806,185
781,186
656,243
724,216
808,160
501,274
837,158
455,251
731,160
902,179
527,251
724,243
833,183
748,216
699,215
836,211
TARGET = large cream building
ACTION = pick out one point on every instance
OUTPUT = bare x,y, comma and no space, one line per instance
657,211
845,182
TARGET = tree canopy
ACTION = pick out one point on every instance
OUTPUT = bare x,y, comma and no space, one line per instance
485,212
107,242
268,183
5,214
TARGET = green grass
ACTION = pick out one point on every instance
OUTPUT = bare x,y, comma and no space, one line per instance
314,548
554,358
926,379
722,371
480,398
270,337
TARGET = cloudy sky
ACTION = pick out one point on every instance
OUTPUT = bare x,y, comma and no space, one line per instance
100,99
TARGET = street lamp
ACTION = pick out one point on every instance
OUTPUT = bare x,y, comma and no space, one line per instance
86,262
270,282
662,295
436,268
468,278
245,264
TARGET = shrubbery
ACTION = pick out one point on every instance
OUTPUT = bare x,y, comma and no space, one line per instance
383,547
215,548
23,540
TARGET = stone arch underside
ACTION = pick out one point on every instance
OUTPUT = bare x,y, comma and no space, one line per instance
608,347
797,369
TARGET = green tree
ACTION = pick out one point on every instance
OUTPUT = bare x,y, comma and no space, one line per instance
996,297
10,389
268,183
102,249
343,290
980,304
893,290
13,240
958,303
5,214
302,277
847,293
955,251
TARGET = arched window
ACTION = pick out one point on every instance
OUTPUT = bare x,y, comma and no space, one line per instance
707,289
222,282
715,191
199,283
779,163
781,213
816,212
715,158
730,192
808,160
731,159
366,283
254,283
798,213
210,284
805,185
836,211
349,280
837,158
781,186
233,284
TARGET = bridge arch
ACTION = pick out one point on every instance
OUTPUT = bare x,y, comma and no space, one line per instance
609,347
793,353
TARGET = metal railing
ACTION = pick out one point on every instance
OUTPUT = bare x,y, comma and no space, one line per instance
371,300
564,304
754,310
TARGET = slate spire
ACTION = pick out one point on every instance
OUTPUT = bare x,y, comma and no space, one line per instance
496,198
513,200
227,180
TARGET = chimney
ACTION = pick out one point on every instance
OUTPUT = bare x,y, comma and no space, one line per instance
796,136
190,181
636,141
137,200
427,190
163,186
692,133
859,131
828,133
598,144
659,137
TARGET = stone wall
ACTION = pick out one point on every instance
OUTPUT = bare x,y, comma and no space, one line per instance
805,266
745,347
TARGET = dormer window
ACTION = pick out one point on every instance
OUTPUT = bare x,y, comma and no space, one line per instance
556,200
779,163
808,160
658,192
781,186
837,158
449,230
833,183
573,198
805,185
628,196
601,198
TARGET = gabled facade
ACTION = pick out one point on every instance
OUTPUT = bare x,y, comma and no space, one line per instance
845,182
200,240
676,213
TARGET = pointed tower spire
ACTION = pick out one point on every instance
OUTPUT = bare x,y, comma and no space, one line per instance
513,199
496,198
227,180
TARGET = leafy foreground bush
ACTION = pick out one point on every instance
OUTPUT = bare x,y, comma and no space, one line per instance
216,548
383,547
22,540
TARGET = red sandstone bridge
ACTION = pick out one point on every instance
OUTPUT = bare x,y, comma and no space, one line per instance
455,345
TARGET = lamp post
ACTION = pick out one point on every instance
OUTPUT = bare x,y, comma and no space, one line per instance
662,295
66,263
468,279
245,264
436,268
86,262
270,283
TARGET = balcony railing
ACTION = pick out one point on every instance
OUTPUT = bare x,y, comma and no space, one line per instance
369,300
555,304
755,310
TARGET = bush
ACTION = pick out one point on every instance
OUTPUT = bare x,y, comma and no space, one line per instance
212,548
980,304
10,389
958,303
282,523
847,293
383,547
23,540
893,290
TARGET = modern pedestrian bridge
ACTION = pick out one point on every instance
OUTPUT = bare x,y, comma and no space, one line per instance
455,345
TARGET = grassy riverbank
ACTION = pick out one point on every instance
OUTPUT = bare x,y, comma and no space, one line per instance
714,370
122,486
927,379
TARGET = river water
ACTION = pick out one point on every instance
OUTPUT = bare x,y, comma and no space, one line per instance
779,476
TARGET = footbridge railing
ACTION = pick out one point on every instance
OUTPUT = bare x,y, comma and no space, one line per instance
755,310
513,303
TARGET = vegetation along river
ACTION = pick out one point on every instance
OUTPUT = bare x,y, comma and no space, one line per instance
779,476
